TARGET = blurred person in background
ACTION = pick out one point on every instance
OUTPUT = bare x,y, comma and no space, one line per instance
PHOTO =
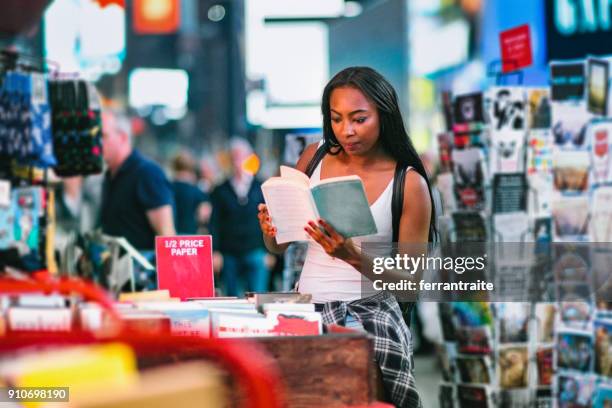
240,253
208,174
192,206
137,197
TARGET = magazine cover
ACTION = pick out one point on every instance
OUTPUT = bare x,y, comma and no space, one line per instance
569,125
513,367
509,193
515,399
507,110
507,154
597,86
575,350
513,322
468,113
474,340
539,151
474,370
575,391
544,398
446,396
599,134
544,361
469,226
567,81
570,218
469,178
474,396
602,396
545,321
445,147
539,108
603,347
571,171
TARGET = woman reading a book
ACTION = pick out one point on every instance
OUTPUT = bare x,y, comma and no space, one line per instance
364,135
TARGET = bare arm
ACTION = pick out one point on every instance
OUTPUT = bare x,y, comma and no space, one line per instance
161,220
269,231
416,212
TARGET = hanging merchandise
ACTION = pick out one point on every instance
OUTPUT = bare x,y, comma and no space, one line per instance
25,125
77,127
27,150
27,209
6,217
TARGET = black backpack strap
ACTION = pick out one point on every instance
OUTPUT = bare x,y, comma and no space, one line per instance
397,205
397,200
316,159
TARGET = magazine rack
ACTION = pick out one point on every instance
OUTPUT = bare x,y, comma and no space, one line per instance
248,364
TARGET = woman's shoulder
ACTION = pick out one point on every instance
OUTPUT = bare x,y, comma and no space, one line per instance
416,193
415,183
307,156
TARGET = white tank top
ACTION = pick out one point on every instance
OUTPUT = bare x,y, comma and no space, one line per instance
329,279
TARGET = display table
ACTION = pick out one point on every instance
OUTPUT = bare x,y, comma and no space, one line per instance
336,369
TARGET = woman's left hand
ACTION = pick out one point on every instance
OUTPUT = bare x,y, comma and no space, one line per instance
332,242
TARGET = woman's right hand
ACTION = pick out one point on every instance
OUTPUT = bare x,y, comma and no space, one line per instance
265,222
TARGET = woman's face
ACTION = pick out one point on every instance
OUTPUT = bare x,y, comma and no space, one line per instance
354,120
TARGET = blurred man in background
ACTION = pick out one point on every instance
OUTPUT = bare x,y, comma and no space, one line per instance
235,227
137,198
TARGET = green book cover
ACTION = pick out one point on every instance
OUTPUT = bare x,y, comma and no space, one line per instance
343,203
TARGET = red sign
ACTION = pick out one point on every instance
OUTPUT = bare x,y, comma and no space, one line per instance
288,326
515,45
156,16
184,265
104,3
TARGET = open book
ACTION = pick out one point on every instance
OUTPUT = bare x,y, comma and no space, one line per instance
341,201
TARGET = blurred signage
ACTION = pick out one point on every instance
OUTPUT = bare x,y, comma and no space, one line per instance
576,28
437,45
156,16
104,3
84,36
156,87
515,45
288,62
287,9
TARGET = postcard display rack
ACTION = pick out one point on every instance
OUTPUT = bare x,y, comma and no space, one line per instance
522,164
47,122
